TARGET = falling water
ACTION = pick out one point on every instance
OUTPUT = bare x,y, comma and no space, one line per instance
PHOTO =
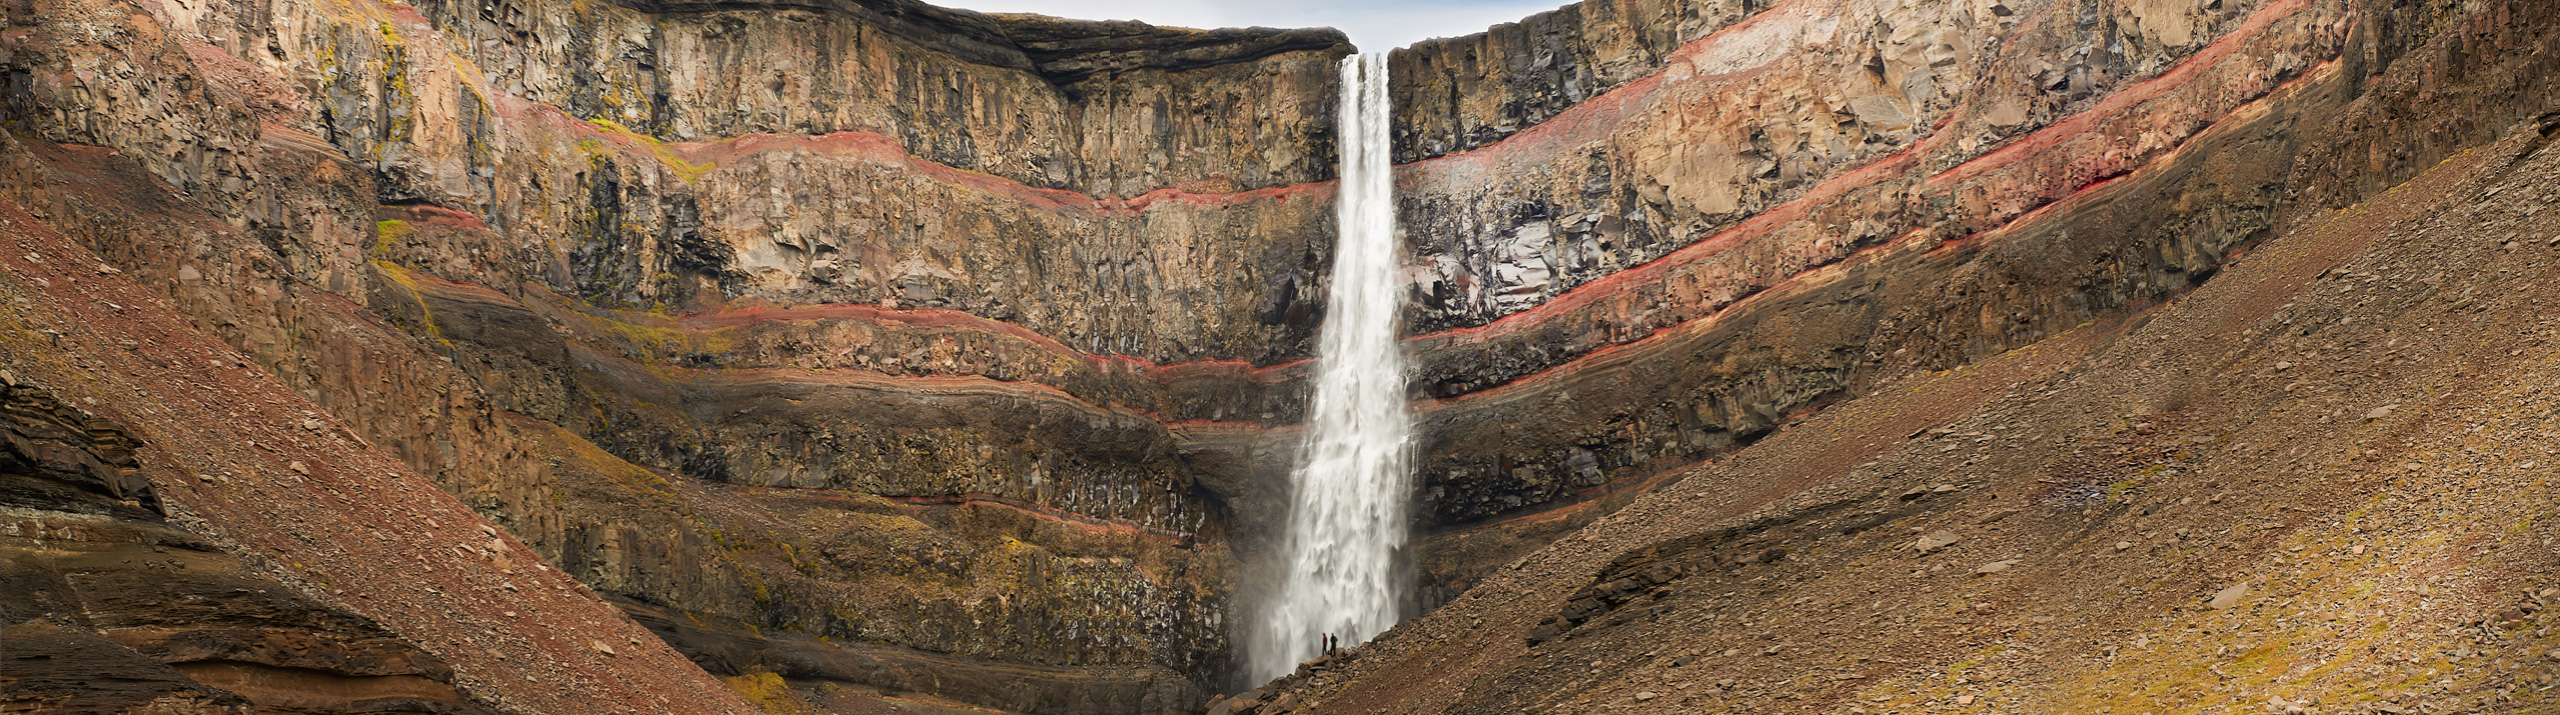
1348,507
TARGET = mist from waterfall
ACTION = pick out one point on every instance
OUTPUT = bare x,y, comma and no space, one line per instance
1347,507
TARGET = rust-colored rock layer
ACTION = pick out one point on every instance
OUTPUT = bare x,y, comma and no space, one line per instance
1827,194
877,355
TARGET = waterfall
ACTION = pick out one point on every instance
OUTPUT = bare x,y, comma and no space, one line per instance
1347,504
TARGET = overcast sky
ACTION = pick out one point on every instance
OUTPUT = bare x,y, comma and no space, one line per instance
1374,25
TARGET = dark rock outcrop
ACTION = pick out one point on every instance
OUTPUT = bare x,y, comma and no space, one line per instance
1683,265
107,608
2263,495
1458,94
627,278
904,351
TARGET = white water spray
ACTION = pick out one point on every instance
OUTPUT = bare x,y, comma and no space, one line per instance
1348,507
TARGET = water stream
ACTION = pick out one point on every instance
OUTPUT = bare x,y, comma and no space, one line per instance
1347,511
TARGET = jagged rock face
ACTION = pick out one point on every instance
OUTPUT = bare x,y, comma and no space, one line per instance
1455,95
1091,107
1817,195
630,280
1776,111
846,341
243,458
2266,495
106,607
866,204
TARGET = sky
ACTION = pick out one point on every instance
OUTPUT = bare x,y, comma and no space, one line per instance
1374,25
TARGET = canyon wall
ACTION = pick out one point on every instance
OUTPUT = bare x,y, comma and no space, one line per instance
2246,405
1636,250
100,583
872,345
892,352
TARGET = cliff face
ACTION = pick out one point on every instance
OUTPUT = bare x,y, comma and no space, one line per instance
1805,198
878,355
111,608
1903,348
2317,483
874,345
193,535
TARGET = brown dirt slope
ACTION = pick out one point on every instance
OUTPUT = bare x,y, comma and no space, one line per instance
234,454
2319,483
722,581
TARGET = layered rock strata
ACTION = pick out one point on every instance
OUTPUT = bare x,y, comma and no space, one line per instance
2320,482
901,329
110,608
843,342
299,568
1812,196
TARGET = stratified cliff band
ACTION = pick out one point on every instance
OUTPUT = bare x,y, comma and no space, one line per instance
878,355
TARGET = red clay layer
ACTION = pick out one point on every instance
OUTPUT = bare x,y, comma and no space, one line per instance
1580,124
881,149
1896,164
2124,99
1593,118
2098,191
2095,190
1586,295
1601,358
